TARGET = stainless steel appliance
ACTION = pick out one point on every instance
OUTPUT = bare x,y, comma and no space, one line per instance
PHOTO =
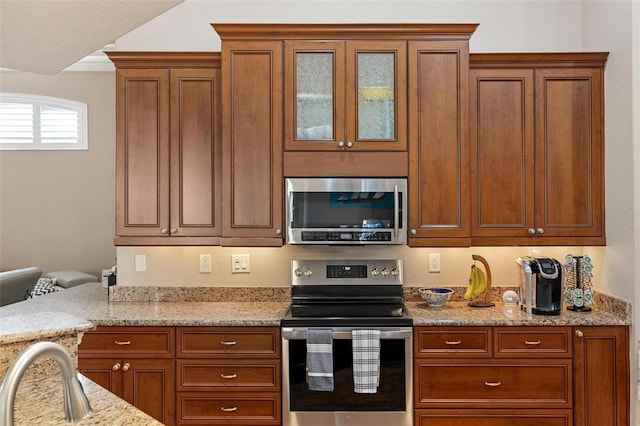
346,211
347,295
541,285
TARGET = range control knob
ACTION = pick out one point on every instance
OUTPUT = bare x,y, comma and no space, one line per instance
375,272
297,272
395,272
385,272
308,272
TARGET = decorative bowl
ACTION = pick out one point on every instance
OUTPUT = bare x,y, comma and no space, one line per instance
435,297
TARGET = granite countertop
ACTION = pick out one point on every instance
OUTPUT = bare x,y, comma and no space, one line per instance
459,313
40,325
40,401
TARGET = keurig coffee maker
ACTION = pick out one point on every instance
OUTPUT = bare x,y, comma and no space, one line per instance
540,285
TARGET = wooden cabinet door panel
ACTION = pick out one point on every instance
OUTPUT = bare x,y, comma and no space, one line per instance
128,342
463,417
195,153
232,342
252,139
142,152
149,385
224,409
502,152
224,375
107,372
532,342
601,371
493,383
569,152
438,142
466,342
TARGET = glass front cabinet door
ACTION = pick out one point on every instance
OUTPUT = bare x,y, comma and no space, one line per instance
345,95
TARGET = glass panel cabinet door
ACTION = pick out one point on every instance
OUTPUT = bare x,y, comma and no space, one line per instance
314,95
376,100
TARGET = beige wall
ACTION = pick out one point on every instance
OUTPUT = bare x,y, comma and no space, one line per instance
57,208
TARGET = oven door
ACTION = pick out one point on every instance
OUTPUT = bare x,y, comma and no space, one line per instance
391,405
346,211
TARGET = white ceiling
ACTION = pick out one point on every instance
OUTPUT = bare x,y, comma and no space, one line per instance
46,36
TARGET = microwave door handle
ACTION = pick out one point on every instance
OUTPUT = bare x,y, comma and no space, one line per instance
396,211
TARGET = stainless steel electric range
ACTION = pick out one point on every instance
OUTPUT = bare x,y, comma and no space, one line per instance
347,295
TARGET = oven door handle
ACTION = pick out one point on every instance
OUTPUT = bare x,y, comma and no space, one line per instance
298,334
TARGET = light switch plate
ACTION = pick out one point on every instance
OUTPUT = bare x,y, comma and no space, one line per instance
240,264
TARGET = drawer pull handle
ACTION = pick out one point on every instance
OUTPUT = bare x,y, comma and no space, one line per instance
452,342
228,410
123,342
228,342
229,376
532,342
493,384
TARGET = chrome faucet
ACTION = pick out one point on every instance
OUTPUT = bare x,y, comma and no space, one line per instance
76,404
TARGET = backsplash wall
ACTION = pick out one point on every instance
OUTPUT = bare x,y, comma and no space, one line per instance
271,267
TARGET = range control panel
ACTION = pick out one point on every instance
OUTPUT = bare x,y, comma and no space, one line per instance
316,271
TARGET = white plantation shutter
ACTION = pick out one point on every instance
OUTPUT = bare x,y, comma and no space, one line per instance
41,122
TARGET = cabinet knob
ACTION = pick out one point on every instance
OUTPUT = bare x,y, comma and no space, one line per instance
173,230
341,144
413,231
116,366
126,366
278,231
532,231
540,231
349,144
164,231
579,333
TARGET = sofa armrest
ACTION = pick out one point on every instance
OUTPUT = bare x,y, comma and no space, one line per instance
15,284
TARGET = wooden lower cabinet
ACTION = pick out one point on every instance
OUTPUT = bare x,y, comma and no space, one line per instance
228,376
136,364
511,375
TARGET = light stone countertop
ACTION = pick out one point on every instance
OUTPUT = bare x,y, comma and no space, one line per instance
40,325
459,313
41,402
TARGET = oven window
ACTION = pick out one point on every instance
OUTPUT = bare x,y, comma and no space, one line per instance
391,391
343,210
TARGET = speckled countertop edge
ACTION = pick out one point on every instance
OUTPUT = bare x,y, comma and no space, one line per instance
40,325
41,402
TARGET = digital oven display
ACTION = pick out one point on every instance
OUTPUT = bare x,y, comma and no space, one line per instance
346,271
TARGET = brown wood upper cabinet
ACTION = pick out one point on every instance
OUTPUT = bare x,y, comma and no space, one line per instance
167,147
345,95
439,142
537,149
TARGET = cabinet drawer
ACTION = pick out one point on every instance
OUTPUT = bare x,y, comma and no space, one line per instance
456,417
493,383
255,375
223,409
133,342
230,342
467,342
531,342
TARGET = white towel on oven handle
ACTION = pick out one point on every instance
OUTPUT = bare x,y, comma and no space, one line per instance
366,360
320,360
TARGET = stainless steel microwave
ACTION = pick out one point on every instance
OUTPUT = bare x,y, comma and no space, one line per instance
348,211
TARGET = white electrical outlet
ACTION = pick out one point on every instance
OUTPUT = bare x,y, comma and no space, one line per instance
434,262
205,264
240,264
141,263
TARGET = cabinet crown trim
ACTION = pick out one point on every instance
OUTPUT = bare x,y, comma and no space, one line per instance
342,31
165,59
538,60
